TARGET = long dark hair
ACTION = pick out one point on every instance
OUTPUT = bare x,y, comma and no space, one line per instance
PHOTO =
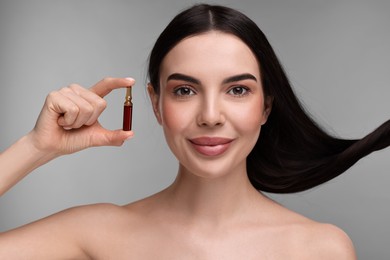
293,153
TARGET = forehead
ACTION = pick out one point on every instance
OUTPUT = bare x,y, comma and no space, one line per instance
210,54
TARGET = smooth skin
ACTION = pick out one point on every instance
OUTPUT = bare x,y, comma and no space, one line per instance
209,87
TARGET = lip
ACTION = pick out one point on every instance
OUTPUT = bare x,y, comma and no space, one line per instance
211,146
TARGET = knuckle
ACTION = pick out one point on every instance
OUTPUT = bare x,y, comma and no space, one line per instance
74,87
52,95
89,109
90,122
73,109
65,90
101,103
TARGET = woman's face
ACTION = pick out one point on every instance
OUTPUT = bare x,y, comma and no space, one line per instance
211,104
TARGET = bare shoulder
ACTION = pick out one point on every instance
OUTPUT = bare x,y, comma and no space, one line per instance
329,242
104,228
308,239
66,234
82,217
322,241
98,212
97,218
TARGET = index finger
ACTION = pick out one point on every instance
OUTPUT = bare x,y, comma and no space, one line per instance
106,85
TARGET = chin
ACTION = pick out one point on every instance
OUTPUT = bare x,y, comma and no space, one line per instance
212,170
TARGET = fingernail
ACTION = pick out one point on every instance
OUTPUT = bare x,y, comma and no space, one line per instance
130,79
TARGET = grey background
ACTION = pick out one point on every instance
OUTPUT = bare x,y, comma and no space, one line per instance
337,54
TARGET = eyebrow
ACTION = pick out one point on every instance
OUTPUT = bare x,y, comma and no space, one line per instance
239,78
179,76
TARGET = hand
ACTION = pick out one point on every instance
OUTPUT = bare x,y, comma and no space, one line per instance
69,123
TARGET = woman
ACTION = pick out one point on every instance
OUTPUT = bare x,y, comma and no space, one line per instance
231,119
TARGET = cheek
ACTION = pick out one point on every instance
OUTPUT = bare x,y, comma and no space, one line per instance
248,125
175,116
248,117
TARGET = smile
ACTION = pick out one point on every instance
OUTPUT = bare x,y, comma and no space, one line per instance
211,146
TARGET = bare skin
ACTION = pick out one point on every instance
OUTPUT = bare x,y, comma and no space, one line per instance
106,231
211,211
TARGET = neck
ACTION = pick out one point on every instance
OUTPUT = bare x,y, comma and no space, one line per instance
212,200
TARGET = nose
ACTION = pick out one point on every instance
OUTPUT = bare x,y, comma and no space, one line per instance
211,112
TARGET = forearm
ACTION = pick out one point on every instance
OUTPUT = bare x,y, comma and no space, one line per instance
73,108
19,160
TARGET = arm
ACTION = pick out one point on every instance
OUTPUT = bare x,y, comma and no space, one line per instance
56,237
19,160
67,124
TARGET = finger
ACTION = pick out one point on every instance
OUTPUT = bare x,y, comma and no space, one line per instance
111,138
65,110
85,109
118,137
105,86
97,103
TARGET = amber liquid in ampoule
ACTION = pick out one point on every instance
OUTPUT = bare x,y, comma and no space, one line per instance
127,111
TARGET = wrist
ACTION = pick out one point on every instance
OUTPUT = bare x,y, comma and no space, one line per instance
19,160
38,152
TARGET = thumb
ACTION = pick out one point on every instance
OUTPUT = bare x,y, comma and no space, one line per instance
112,137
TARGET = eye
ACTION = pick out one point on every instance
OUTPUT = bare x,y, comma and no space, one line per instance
183,91
238,91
